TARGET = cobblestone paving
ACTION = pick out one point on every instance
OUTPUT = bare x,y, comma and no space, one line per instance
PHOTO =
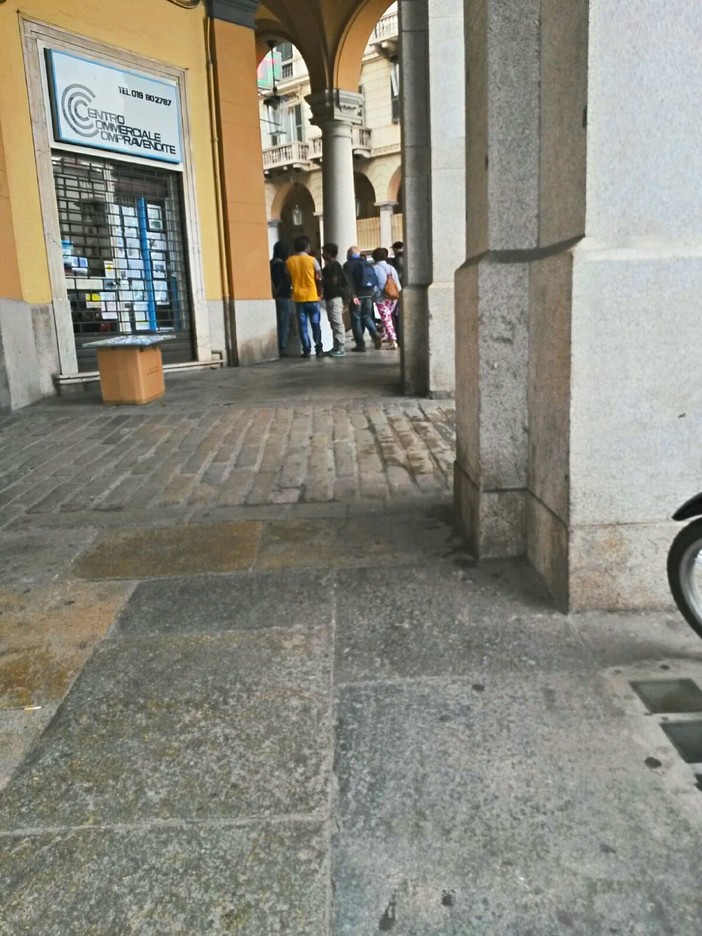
54,460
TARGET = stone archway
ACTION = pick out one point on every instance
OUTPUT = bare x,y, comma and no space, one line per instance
395,187
365,196
352,43
297,216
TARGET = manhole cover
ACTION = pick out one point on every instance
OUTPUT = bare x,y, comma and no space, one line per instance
669,696
687,738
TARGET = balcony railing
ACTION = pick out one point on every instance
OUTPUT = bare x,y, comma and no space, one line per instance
361,141
386,27
360,144
293,155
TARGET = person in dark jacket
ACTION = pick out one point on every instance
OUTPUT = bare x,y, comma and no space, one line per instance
282,293
335,288
361,306
398,260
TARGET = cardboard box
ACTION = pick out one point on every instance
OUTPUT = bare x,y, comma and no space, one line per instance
130,375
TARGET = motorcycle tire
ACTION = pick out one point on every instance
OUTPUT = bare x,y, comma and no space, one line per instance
684,556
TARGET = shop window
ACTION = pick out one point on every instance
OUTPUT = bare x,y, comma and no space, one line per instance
124,253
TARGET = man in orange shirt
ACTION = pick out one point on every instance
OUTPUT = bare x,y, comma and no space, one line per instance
306,274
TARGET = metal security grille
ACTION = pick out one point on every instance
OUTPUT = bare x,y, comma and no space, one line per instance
123,253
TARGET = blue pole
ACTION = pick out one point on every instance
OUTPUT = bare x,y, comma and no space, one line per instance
146,257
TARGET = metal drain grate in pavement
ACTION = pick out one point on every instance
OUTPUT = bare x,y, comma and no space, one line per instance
669,696
687,738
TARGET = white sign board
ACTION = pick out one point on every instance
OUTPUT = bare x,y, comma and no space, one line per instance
110,108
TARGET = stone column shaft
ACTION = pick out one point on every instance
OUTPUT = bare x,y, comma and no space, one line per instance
433,155
250,311
492,287
273,234
387,210
319,215
336,112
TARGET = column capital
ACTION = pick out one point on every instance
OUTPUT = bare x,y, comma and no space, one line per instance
335,104
238,12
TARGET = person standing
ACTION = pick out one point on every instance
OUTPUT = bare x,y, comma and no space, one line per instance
282,293
334,288
305,275
364,283
388,294
398,260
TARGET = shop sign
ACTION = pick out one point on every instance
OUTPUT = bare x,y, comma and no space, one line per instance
105,107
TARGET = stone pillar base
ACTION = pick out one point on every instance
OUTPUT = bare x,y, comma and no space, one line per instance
28,356
494,521
254,341
413,330
441,340
547,541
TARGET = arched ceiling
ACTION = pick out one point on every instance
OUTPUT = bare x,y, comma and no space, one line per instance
331,35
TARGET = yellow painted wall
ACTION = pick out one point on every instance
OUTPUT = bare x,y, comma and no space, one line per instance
9,273
152,28
243,182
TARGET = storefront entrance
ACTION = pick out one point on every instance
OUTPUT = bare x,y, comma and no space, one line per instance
124,252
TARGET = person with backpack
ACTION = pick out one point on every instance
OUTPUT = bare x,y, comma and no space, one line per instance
388,294
282,293
364,282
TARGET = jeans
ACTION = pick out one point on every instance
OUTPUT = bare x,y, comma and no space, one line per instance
362,316
335,314
305,311
283,311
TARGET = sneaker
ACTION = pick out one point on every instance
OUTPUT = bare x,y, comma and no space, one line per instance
392,346
359,348
305,354
337,353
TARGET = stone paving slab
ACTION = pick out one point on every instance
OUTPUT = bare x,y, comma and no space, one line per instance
47,632
131,554
356,541
214,603
624,638
326,542
429,621
191,727
250,880
19,729
495,812
31,557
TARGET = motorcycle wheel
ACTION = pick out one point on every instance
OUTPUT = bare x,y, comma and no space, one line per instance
685,574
